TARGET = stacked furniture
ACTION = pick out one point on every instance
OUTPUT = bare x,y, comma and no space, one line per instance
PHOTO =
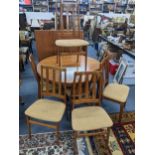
45,40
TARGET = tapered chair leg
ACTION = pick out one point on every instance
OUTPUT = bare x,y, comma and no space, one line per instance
107,138
57,134
29,126
124,104
75,144
121,112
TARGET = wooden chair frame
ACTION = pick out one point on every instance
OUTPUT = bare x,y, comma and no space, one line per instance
57,92
34,69
104,67
72,51
90,94
58,84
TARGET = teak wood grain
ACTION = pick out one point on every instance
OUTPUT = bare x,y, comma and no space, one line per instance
58,90
92,65
34,69
87,88
58,87
87,92
104,68
45,40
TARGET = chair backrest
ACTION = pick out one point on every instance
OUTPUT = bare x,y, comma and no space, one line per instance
104,68
34,68
55,78
87,88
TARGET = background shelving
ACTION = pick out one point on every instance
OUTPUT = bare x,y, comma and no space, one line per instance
40,5
84,8
25,8
95,7
91,6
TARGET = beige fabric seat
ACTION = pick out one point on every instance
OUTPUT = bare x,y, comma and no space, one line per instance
117,92
47,110
90,118
71,43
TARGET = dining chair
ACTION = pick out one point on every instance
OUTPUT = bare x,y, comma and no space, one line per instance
115,91
49,112
75,47
37,77
90,119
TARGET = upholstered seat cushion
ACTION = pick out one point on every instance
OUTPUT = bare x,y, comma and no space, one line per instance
90,118
47,110
71,43
117,92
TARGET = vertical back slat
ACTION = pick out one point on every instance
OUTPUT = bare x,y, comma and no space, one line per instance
91,82
53,76
65,79
74,86
107,70
47,79
53,81
42,80
59,83
80,85
87,86
104,67
100,85
94,80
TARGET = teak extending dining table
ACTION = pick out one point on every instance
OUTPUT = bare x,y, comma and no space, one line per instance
92,65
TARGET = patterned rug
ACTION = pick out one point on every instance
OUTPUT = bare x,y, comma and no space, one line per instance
121,141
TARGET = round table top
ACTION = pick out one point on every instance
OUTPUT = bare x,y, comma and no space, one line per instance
67,62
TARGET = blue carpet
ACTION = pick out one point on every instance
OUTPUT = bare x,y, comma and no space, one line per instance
28,91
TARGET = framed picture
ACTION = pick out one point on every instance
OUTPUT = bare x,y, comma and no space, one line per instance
120,71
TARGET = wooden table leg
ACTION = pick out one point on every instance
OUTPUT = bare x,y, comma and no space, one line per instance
121,111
